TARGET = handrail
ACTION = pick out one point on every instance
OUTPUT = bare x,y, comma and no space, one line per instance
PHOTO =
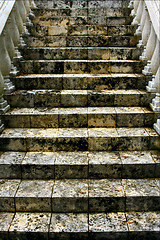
154,11
13,16
146,14
5,10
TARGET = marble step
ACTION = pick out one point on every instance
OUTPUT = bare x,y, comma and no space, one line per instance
80,165
82,5
79,117
82,226
80,195
80,66
82,30
81,81
79,139
79,98
92,20
81,41
81,53
79,13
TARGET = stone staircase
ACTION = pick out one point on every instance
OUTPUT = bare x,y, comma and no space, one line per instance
79,157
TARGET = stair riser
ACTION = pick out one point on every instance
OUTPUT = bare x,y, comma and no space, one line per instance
79,171
82,41
92,99
81,12
77,120
84,226
80,83
38,31
81,54
80,5
46,144
79,204
73,67
82,21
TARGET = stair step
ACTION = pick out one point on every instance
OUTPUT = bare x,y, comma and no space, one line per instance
82,30
80,66
81,41
81,53
80,5
120,225
79,117
78,139
80,81
80,195
41,13
84,23
80,165
78,98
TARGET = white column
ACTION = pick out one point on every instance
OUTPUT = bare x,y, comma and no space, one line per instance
157,126
1,126
138,32
5,65
138,14
4,107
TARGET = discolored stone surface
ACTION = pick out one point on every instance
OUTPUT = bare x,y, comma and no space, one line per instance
30,226
81,128
10,164
8,189
38,165
142,194
106,195
69,226
70,196
34,196
70,165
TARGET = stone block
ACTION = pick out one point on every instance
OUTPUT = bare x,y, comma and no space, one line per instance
10,164
70,165
38,165
104,165
70,196
8,189
106,195
35,225
141,194
31,198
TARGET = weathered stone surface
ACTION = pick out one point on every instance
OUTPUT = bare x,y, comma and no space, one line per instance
108,226
69,226
8,189
30,226
5,221
142,194
70,196
34,196
70,165
106,195
38,165
10,164
79,132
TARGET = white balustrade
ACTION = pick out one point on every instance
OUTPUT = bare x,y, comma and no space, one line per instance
146,14
13,17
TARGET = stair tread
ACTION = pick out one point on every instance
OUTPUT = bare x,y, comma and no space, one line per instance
80,110
85,165
83,61
78,223
70,91
76,132
80,188
80,75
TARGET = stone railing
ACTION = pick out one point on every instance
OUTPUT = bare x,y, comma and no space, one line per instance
146,15
15,15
